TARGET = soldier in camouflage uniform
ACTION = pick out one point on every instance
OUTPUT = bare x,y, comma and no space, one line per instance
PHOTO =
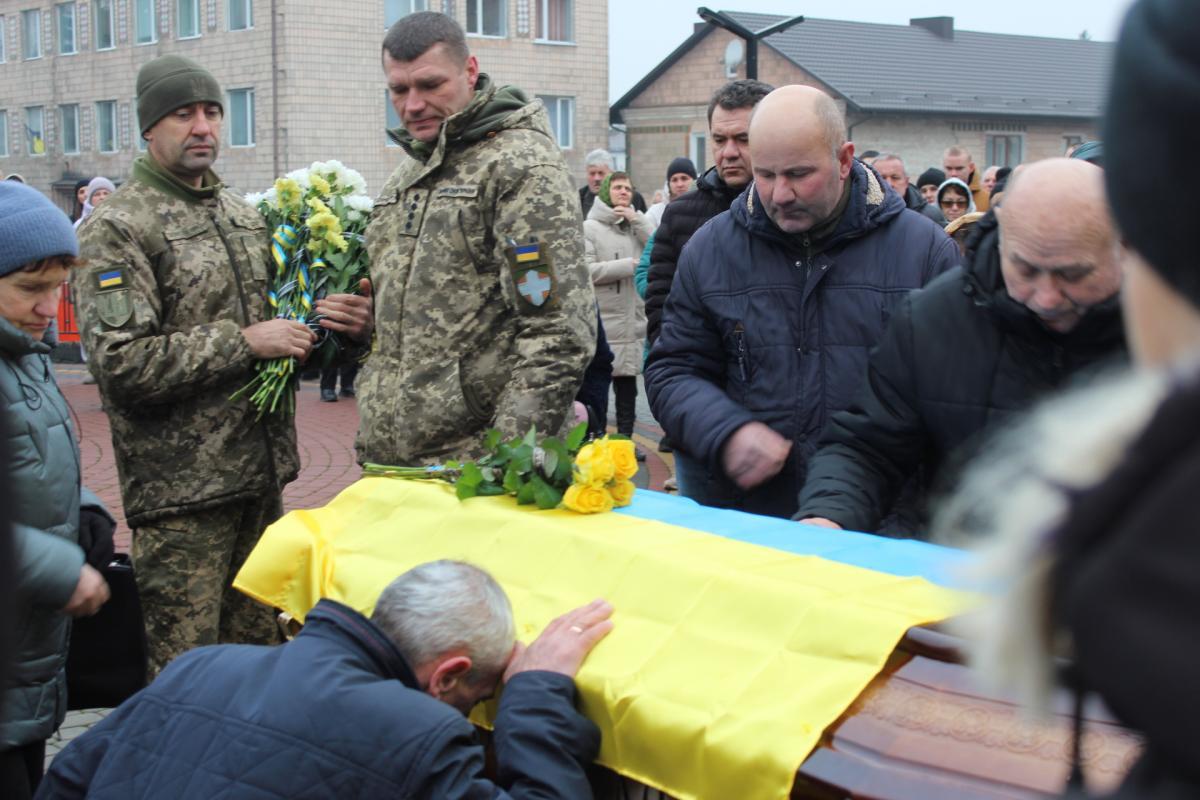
174,315
485,315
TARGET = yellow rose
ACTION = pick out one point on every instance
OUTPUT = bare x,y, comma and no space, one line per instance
622,493
624,458
594,465
587,499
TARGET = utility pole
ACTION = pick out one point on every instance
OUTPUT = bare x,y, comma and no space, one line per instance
751,38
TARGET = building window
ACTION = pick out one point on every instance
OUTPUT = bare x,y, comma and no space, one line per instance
106,126
241,15
66,28
395,9
35,131
135,126
486,17
700,151
3,130
188,24
392,118
556,20
145,22
1070,142
31,33
69,128
3,57
1005,150
103,20
561,111
241,117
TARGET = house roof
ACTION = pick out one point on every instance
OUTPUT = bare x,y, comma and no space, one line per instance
907,68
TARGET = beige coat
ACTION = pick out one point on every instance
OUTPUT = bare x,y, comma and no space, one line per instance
613,248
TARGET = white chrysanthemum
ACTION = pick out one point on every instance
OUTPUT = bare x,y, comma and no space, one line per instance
254,198
359,202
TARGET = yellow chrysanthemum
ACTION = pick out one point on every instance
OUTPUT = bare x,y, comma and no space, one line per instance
594,465
318,207
587,499
622,493
288,193
319,183
325,230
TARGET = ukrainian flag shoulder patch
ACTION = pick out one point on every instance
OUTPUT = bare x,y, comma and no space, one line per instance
110,279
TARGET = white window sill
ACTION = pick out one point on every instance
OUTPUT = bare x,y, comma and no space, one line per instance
554,42
243,146
106,49
487,35
187,38
145,44
239,30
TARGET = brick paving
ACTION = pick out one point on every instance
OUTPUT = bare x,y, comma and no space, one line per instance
326,444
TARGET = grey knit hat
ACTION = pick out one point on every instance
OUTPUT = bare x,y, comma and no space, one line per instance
31,228
171,81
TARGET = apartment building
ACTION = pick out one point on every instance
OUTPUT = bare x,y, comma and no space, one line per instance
302,79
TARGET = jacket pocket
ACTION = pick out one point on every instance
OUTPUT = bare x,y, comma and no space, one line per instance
738,367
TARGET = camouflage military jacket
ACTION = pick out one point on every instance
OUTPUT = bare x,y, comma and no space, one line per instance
173,274
471,331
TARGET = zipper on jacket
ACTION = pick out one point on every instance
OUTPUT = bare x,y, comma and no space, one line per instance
739,340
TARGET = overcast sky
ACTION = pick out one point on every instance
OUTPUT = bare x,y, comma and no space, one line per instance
641,33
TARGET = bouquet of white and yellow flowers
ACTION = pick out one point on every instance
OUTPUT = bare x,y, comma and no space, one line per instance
317,217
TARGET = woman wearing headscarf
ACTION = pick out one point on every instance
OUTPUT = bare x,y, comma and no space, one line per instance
98,189
61,532
1092,509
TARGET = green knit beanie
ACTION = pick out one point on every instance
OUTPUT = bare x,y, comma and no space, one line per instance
603,193
171,81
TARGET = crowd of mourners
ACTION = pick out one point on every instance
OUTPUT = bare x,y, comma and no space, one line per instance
1001,356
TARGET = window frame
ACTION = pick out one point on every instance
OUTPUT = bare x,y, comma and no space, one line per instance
99,127
41,110
389,112
3,31
195,4
248,93
112,25
559,101
59,8
542,15
386,24
63,128
478,5
698,144
137,30
989,147
248,5
4,133
36,15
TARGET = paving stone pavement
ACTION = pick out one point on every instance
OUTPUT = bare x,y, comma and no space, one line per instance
326,444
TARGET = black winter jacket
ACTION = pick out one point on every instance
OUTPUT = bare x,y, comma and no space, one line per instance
766,326
958,358
335,714
681,219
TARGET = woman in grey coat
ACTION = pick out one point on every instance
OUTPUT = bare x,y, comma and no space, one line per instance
54,582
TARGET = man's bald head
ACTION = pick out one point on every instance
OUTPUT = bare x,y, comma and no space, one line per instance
800,156
1058,246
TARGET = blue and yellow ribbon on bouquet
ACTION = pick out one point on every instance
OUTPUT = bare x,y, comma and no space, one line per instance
737,640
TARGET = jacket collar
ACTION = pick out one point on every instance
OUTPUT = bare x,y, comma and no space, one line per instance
1100,327
603,213
711,182
147,170
869,204
16,343
332,620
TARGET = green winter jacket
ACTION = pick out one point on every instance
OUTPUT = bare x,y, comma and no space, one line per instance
46,499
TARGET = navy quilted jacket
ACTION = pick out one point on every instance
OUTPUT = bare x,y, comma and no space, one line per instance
775,327
333,714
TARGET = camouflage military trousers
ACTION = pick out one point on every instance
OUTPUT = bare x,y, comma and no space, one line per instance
185,570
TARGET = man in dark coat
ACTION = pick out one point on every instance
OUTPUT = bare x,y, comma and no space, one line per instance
357,707
891,168
729,134
1035,305
776,303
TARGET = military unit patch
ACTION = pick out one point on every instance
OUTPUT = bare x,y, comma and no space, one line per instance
112,298
532,274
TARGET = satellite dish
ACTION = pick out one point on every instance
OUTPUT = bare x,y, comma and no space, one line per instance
734,52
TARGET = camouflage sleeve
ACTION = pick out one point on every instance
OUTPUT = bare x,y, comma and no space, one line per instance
121,322
554,343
